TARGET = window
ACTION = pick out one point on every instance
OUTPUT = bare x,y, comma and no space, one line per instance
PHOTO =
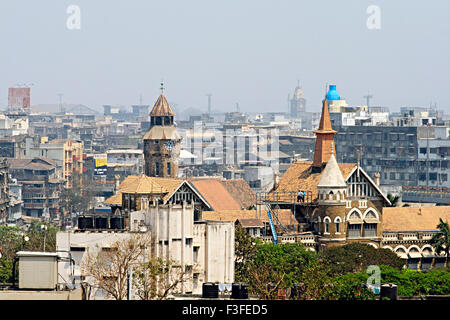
169,168
392,176
188,241
196,254
326,222
370,230
156,168
338,221
354,230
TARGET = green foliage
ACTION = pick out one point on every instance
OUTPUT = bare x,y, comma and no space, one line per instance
37,236
441,240
393,199
12,241
289,258
356,257
350,287
245,249
6,267
415,283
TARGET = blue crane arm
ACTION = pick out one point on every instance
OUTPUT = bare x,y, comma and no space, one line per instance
272,227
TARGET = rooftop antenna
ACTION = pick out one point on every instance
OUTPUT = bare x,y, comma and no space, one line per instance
368,97
162,86
140,99
237,107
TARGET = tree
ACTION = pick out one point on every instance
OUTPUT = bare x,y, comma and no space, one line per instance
42,237
393,200
78,198
441,240
157,278
108,268
245,249
278,266
12,240
356,257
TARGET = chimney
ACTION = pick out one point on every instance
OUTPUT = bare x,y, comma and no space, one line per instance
376,178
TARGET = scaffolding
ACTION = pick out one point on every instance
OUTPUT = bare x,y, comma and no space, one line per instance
268,205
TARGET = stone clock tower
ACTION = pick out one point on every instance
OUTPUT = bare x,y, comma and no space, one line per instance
162,142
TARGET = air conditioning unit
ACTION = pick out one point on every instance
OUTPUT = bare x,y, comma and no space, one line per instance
38,270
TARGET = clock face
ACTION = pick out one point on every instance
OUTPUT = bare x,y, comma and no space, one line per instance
169,145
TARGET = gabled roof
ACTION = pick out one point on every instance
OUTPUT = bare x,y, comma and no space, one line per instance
161,187
299,177
161,108
414,218
355,169
215,194
41,163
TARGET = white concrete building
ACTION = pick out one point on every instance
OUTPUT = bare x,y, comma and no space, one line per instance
205,249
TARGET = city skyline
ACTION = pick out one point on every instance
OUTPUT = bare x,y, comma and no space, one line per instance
252,53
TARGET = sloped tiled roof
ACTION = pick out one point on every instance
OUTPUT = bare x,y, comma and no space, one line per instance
285,216
145,185
162,133
241,192
41,163
414,218
216,194
249,223
299,177
161,107
115,199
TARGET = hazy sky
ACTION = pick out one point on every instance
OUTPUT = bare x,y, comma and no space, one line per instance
247,51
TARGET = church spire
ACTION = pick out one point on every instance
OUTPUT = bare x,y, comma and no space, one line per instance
324,138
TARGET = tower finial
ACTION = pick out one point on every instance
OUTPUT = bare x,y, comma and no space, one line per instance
162,86
332,147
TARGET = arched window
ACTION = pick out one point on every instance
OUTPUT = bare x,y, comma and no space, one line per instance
330,195
326,222
414,256
338,221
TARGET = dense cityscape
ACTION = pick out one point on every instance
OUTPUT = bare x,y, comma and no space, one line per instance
316,199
